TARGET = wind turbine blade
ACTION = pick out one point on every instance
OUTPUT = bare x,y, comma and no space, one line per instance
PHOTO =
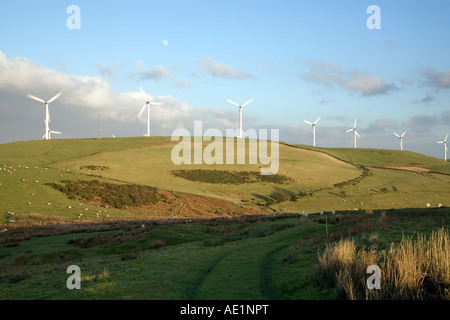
441,142
156,103
317,120
35,98
143,94
307,122
396,134
232,102
358,134
403,134
354,126
55,132
247,102
446,137
142,110
349,130
55,97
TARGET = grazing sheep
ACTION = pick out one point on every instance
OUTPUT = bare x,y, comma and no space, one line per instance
321,213
439,205
332,212
304,214
4,230
142,225
428,205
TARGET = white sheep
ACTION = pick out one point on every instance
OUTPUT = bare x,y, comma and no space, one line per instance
304,214
4,230
332,212
428,205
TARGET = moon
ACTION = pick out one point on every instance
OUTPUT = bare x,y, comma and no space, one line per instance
165,42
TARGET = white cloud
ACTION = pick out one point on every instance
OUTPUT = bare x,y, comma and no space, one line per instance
438,79
329,74
157,73
84,99
220,70
180,84
109,69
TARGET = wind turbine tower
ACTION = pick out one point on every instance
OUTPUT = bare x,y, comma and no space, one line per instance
47,114
240,113
355,131
401,139
314,129
444,142
147,105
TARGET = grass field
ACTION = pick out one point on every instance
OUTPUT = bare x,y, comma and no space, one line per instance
240,258
209,231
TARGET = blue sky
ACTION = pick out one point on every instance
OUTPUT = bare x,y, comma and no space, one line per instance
297,59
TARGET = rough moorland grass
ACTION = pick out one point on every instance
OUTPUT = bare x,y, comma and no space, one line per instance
108,194
412,269
229,177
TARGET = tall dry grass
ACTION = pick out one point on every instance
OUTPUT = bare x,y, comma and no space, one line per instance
412,269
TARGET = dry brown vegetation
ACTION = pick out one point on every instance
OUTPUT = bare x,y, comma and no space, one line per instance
413,269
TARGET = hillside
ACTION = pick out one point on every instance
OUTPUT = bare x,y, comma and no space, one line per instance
33,173
141,227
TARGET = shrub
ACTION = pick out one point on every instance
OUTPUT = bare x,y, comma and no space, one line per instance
279,196
109,194
156,244
229,177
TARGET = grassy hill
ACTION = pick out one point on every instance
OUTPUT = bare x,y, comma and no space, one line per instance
313,179
141,227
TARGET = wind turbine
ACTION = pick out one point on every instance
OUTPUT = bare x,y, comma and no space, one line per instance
314,130
147,104
401,139
355,131
50,134
445,146
240,113
47,114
